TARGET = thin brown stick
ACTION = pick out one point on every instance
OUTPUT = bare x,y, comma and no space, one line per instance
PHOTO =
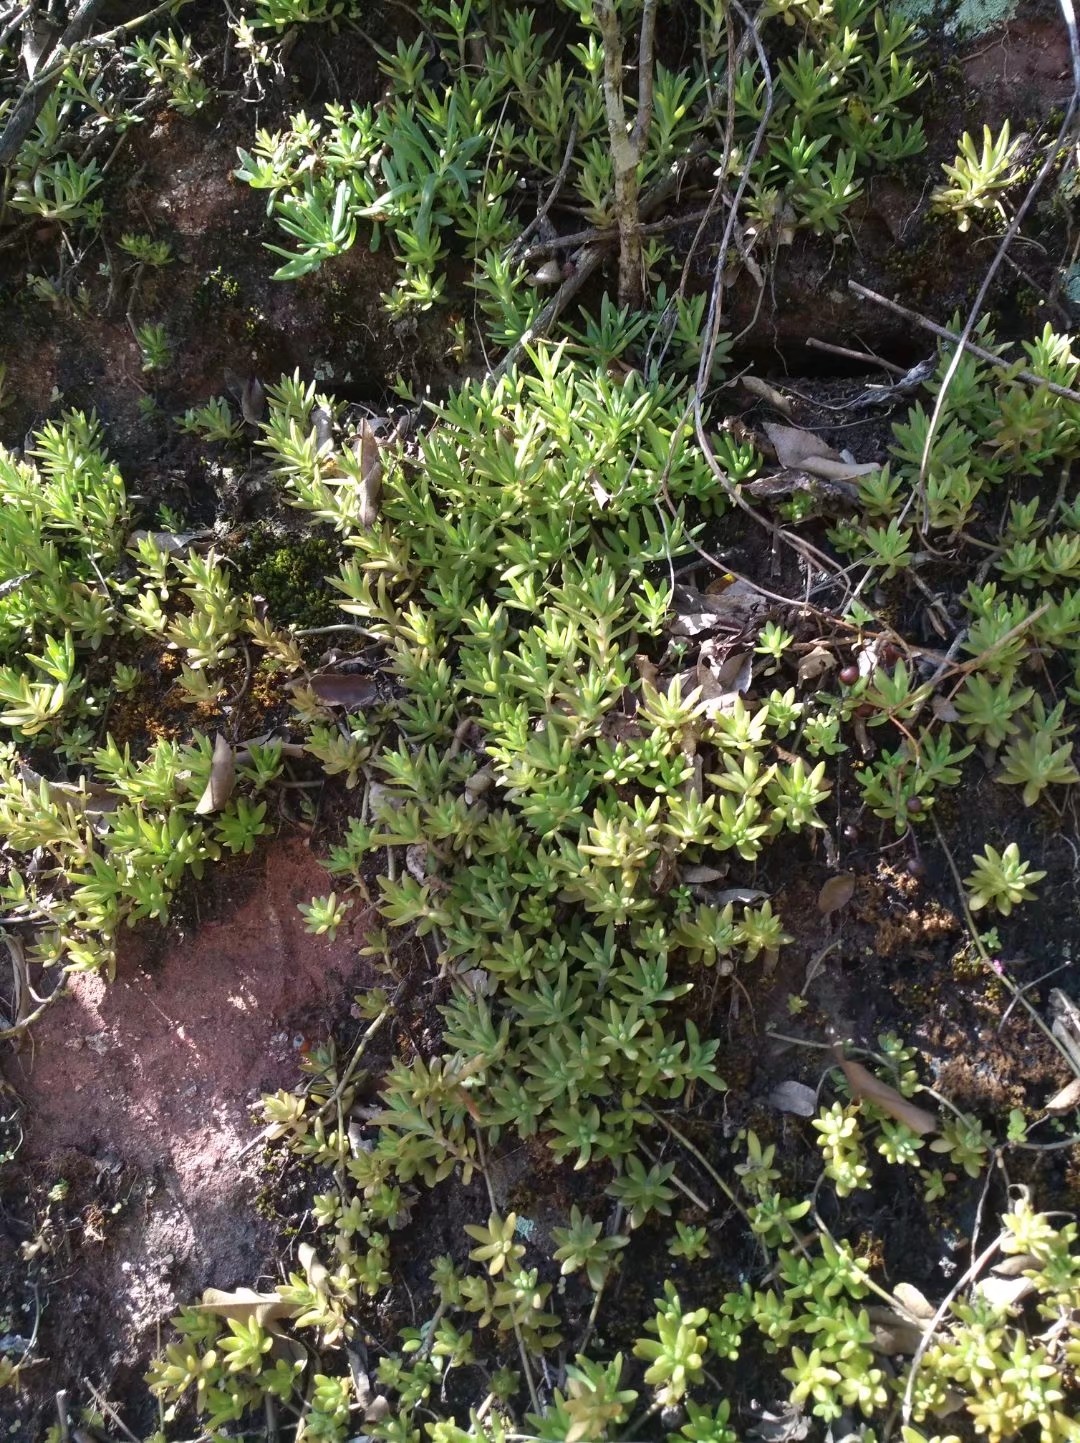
541,215
864,293
7,1033
604,236
850,355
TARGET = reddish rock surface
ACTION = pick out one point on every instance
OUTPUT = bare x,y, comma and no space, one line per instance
141,1090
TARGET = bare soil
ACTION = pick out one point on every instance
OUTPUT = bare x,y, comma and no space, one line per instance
140,1095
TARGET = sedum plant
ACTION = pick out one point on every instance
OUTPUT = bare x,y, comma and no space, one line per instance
1002,879
439,159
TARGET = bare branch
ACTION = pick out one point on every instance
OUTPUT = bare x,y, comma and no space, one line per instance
961,342
627,147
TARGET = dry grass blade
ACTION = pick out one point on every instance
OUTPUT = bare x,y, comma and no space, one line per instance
868,1088
222,779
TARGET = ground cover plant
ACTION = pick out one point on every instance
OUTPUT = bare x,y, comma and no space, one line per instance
570,728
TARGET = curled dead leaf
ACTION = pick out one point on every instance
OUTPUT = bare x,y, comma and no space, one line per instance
913,1302
868,1088
815,664
1065,1100
836,893
368,449
794,446
222,779
317,1273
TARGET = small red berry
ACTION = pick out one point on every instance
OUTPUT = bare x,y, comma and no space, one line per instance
849,675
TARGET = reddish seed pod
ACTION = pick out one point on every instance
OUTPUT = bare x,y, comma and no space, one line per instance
916,867
864,709
849,675
914,804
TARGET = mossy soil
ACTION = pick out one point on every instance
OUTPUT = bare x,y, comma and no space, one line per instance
896,958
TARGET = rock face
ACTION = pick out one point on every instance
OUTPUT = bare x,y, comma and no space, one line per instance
138,1094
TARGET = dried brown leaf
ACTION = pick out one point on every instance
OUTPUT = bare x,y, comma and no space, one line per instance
944,710
795,447
869,1088
794,1097
913,1302
348,689
836,893
222,779
243,1304
318,1274
815,664
1065,1100
701,876
840,470
369,451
